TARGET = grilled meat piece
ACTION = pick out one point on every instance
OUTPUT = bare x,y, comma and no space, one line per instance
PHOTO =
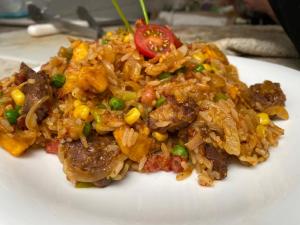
173,115
219,159
92,164
266,94
22,75
34,91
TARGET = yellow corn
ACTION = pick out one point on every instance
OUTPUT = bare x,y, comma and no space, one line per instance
127,38
77,103
207,67
18,96
159,136
109,34
81,112
261,130
199,56
145,130
263,118
80,52
132,116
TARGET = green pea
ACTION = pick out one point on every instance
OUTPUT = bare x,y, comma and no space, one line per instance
116,103
12,115
104,41
180,150
199,68
87,129
165,75
58,80
160,101
220,96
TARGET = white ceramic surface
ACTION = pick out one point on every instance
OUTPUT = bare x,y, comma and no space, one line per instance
34,191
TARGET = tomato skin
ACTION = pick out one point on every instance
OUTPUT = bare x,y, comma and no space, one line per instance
177,41
149,44
52,147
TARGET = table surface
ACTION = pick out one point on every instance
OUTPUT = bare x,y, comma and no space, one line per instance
16,45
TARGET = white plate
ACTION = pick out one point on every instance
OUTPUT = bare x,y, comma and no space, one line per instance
34,191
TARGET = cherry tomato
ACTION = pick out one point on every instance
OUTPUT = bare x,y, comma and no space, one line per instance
153,39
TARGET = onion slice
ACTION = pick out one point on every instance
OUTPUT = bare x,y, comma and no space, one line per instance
30,120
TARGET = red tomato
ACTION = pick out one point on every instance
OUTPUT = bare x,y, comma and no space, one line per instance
153,39
52,147
176,164
161,162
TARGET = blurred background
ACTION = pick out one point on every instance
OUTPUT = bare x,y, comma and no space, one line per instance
246,28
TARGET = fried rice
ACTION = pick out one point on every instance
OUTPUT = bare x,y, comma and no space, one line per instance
184,110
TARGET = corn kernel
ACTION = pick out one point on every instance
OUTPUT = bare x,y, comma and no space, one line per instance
263,118
127,38
207,67
77,103
199,56
109,34
132,116
261,130
18,96
82,112
80,52
145,130
159,136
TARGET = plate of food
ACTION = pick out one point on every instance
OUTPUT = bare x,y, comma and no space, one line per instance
140,128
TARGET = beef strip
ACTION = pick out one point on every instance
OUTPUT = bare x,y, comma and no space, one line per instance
219,159
92,164
35,91
21,76
173,115
266,94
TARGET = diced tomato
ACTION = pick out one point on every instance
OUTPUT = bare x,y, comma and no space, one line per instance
151,39
52,147
157,162
161,162
176,164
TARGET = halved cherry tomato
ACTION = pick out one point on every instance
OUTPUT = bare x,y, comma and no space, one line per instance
152,39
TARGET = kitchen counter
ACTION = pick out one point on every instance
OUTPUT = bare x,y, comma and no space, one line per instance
16,45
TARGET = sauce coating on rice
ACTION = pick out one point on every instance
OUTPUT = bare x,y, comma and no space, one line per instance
107,110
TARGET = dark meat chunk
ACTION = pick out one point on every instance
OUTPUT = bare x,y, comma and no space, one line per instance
219,159
90,164
35,91
265,95
22,75
173,115
21,122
